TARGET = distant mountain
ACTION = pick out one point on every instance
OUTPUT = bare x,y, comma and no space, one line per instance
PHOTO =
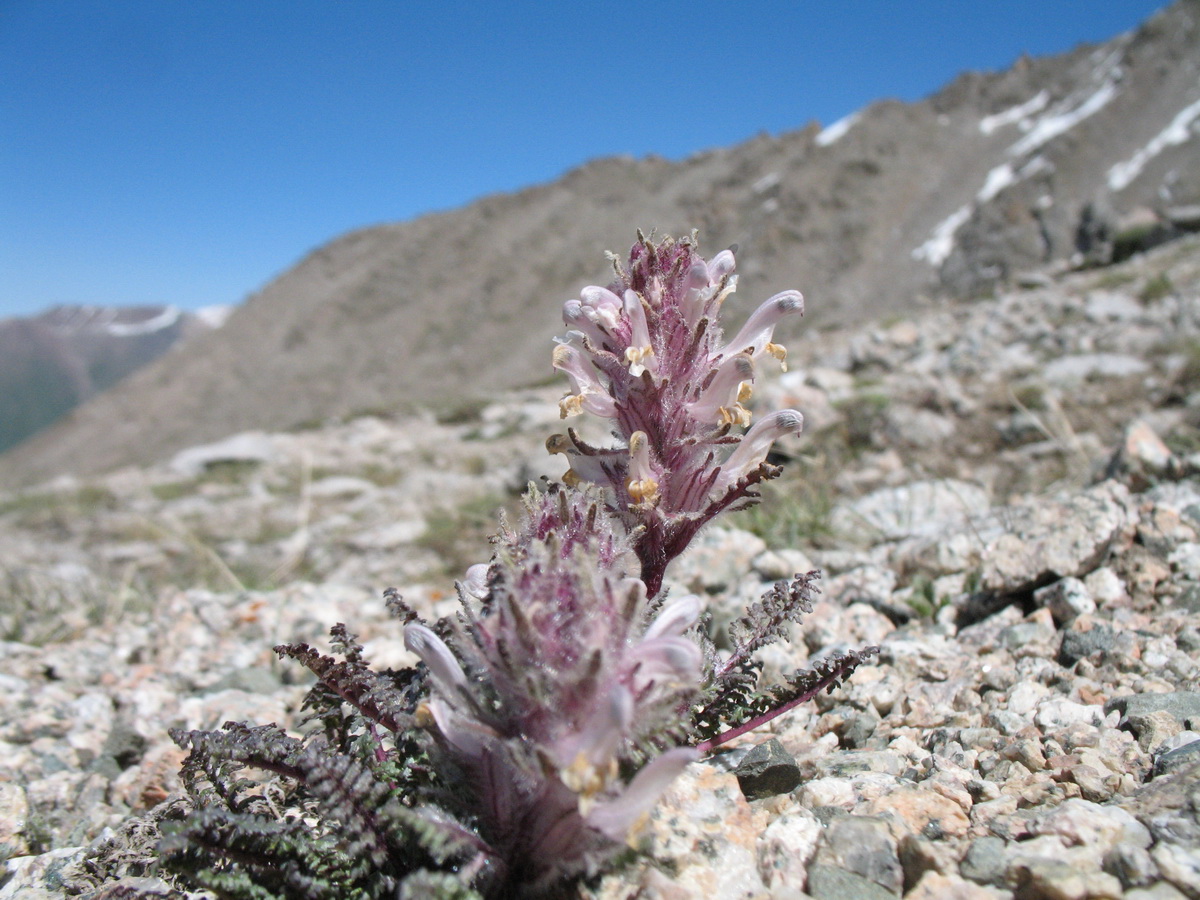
1056,161
52,362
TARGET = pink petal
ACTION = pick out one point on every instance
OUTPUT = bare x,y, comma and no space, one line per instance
615,817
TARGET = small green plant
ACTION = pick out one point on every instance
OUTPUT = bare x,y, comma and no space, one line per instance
796,512
1136,239
455,534
922,596
41,607
1156,288
1110,281
1031,396
862,419
57,506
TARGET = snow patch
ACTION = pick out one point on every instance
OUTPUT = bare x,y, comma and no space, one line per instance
165,319
1049,127
997,180
1122,174
764,184
1013,114
214,316
941,242
835,131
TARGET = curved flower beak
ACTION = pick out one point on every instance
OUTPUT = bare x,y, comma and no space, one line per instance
755,336
447,673
466,735
674,618
755,445
475,581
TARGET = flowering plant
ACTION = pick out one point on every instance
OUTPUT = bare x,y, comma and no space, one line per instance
550,715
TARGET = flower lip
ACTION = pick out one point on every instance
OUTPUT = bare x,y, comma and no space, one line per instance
615,817
640,354
642,483
590,393
724,390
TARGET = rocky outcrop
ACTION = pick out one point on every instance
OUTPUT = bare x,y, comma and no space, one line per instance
1023,546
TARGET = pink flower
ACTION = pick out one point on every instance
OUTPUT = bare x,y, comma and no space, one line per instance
647,353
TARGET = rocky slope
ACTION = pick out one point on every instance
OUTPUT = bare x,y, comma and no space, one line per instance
995,174
1003,494
52,362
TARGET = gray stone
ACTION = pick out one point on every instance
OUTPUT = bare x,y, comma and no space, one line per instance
858,728
1054,539
123,748
1077,644
1049,879
340,486
251,679
767,770
717,558
39,877
864,846
777,565
1132,865
1161,891
1183,705
1180,865
1105,305
985,861
1185,216
1173,760
831,883
248,447
14,817
1023,634
785,848
1153,729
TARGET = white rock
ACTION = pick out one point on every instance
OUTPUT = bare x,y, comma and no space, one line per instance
1067,599
785,848
918,508
1103,305
1104,585
388,537
250,446
1070,370
1185,560
1081,822
1061,713
704,830
336,486
827,792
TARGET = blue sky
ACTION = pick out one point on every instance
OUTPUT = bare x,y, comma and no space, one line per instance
187,151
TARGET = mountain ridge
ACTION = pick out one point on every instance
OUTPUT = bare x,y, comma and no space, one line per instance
951,195
53,361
